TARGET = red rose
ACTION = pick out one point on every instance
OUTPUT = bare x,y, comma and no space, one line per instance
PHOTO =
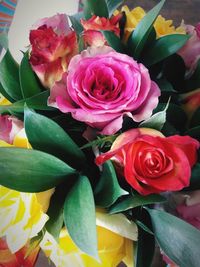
93,26
53,44
152,163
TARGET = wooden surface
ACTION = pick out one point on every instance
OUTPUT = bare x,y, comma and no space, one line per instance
173,9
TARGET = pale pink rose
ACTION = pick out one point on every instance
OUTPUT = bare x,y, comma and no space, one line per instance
190,52
9,127
53,44
103,86
190,210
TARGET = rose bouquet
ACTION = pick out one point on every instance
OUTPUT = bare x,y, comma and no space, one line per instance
99,128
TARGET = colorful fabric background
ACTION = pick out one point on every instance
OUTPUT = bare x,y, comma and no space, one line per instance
7,10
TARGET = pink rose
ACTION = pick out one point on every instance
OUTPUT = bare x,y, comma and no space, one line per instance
103,86
151,162
9,127
190,210
53,44
92,27
190,52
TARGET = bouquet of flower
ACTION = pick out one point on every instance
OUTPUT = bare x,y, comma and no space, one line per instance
99,139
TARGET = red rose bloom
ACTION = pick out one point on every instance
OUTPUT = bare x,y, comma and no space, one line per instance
92,29
152,163
53,44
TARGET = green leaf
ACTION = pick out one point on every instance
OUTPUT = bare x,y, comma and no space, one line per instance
3,92
9,76
29,83
144,256
46,135
165,86
38,102
157,120
177,239
164,47
29,170
79,217
140,35
114,41
4,40
75,20
113,5
194,132
108,190
95,7
131,202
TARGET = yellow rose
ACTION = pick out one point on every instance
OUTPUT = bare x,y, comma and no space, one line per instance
22,214
133,17
115,244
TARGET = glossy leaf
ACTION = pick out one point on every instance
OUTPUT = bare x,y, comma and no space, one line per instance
95,7
194,132
157,120
140,35
164,47
177,239
108,189
46,135
5,94
9,76
75,20
79,216
113,5
114,41
144,256
131,202
38,102
29,170
29,83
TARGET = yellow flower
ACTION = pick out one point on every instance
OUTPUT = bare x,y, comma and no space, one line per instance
133,17
164,27
3,101
115,244
22,214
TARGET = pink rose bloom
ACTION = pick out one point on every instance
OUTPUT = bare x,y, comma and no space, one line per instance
190,210
9,127
103,86
53,44
190,52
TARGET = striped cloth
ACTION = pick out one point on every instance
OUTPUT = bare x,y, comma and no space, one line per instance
7,10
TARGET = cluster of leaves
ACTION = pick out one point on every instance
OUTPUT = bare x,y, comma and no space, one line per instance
57,160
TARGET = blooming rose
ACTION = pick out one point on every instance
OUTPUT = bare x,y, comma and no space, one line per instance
191,101
152,163
115,234
190,52
190,209
53,44
93,26
7,259
102,86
